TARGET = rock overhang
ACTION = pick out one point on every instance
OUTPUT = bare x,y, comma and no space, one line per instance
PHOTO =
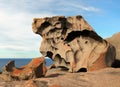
71,42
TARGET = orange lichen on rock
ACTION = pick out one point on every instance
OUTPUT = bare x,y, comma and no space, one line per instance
99,64
35,69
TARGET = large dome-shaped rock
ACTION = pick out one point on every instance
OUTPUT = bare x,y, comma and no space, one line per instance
72,43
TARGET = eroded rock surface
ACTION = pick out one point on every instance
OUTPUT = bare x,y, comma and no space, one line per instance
115,41
108,77
35,69
72,43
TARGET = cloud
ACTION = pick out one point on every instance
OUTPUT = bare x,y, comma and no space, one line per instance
86,8
16,19
25,5
14,47
16,31
73,7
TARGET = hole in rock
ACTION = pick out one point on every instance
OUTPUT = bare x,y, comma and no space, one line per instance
82,70
60,62
49,54
62,38
85,33
79,17
116,64
58,58
86,42
45,24
48,61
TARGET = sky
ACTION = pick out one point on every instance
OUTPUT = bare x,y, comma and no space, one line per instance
17,39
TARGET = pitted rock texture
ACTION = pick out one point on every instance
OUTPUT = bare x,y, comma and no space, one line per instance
35,69
72,43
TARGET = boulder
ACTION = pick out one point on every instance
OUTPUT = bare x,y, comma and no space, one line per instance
72,43
35,69
115,41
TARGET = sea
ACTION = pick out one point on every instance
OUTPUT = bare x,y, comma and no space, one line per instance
21,61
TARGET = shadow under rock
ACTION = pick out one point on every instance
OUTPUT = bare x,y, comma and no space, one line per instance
53,75
41,83
116,64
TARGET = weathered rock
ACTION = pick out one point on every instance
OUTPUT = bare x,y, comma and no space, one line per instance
55,86
115,41
30,83
100,78
72,43
35,69
108,77
6,71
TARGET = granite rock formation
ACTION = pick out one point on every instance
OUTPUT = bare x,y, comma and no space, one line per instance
108,77
35,69
115,41
72,43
